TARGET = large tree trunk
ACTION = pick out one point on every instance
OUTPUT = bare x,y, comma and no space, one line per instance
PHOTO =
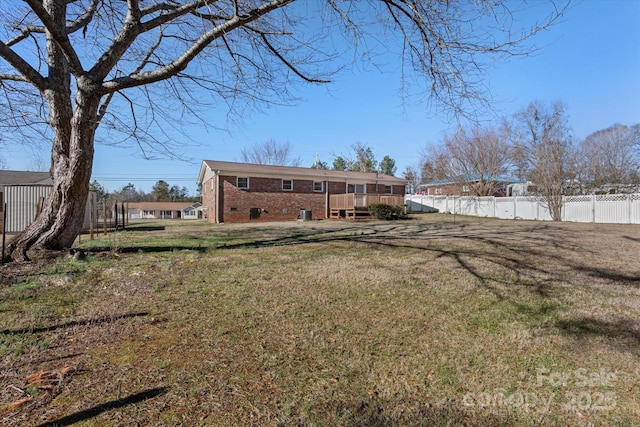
71,151
62,216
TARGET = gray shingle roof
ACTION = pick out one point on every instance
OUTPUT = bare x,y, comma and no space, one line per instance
248,168
23,177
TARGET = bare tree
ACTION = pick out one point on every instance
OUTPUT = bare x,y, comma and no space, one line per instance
542,145
412,176
612,155
477,156
3,163
74,71
270,152
364,160
319,164
435,163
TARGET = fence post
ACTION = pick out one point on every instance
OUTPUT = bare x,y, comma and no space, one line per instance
115,213
593,208
92,215
104,216
39,206
4,231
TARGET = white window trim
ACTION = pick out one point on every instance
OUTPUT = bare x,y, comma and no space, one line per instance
238,178
287,189
321,186
390,189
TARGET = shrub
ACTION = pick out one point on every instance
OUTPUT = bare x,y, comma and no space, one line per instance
388,212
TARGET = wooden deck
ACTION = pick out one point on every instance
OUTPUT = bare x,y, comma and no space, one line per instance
356,206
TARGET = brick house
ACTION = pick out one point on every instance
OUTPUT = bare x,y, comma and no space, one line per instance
467,187
237,192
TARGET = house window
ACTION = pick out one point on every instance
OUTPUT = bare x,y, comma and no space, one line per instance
242,182
318,186
165,214
438,190
356,188
287,184
465,188
388,189
147,213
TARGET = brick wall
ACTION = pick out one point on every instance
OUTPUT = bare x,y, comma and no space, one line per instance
209,200
267,196
269,199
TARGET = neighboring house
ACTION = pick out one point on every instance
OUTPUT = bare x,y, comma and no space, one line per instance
519,189
193,211
236,192
157,210
468,187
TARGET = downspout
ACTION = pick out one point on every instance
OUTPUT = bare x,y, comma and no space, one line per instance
217,198
326,199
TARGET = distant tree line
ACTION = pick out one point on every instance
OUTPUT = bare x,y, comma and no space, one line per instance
533,145
359,159
160,192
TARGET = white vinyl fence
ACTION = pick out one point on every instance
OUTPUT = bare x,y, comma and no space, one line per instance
608,208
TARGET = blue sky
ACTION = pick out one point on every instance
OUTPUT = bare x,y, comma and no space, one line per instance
591,62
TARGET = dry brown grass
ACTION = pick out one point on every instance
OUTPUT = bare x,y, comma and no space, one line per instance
419,322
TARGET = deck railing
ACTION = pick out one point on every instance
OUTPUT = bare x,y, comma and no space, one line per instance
351,200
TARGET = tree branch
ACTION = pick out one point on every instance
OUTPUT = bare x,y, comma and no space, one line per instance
288,64
180,63
60,38
24,33
83,20
29,73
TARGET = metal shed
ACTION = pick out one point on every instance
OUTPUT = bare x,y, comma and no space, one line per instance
22,205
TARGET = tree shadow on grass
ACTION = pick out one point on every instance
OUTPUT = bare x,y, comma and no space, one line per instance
73,323
144,228
622,279
622,333
146,249
107,406
635,239
374,412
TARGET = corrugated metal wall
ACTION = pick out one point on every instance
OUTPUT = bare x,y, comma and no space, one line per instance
22,205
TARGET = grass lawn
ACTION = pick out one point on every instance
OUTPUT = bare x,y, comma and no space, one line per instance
437,320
